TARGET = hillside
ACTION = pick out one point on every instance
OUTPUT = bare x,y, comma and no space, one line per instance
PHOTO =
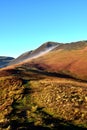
69,59
46,92
31,100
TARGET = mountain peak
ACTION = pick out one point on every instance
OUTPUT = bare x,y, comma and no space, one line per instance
43,49
47,47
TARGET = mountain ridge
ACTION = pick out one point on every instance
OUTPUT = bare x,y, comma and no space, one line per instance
44,48
47,46
69,59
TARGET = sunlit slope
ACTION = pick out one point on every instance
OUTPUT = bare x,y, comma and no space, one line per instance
38,101
71,62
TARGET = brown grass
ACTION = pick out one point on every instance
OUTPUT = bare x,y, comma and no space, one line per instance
31,92
72,62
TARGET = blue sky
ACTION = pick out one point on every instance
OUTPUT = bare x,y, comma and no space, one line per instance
26,24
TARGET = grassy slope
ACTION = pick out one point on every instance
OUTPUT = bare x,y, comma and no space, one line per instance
32,100
73,62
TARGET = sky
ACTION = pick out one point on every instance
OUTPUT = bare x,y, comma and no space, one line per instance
26,24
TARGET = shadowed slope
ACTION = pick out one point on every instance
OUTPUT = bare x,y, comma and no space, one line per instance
5,60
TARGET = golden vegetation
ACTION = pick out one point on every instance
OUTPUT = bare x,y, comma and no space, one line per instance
71,62
33,100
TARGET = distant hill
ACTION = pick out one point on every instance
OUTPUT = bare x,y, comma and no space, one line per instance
5,60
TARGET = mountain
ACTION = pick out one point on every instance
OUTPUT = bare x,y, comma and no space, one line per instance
5,60
67,59
43,49
46,92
